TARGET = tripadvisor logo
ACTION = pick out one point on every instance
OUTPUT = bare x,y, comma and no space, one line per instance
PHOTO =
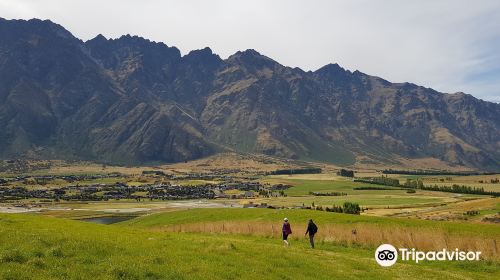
387,255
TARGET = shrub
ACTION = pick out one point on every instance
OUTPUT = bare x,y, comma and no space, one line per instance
345,173
351,208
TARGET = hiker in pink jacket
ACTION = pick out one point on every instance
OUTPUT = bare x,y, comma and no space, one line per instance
286,231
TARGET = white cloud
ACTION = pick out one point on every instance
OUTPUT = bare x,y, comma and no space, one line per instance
448,45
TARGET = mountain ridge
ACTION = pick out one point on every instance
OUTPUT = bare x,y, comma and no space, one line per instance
132,100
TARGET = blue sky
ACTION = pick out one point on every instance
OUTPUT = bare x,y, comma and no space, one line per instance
448,45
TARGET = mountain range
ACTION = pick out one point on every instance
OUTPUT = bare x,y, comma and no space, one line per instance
131,100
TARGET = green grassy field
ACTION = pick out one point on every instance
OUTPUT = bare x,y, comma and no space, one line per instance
34,247
299,194
303,187
366,200
301,216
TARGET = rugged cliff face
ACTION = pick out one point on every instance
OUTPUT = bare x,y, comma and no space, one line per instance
130,100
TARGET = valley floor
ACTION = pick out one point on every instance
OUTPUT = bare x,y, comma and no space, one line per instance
234,236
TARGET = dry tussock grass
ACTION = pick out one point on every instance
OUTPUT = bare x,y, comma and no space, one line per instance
360,234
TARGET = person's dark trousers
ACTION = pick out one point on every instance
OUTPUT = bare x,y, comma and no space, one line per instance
311,240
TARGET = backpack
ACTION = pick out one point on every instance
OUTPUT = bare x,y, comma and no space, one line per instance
313,229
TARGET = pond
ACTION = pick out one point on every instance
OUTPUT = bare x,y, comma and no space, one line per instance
107,220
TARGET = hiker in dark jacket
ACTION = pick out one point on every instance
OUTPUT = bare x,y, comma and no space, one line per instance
286,231
311,229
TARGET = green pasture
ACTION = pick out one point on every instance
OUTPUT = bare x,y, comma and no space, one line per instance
34,247
302,216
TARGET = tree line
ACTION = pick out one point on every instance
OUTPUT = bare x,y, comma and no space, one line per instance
460,189
328,193
419,184
434,172
385,181
347,208
296,171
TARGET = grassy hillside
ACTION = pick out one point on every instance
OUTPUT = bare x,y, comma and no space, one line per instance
33,247
301,216
334,228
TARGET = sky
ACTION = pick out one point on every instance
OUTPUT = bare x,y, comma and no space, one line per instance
448,45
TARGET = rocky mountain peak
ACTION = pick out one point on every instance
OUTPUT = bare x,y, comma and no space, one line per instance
252,58
201,56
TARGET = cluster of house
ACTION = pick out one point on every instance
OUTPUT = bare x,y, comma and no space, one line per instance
201,176
163,191
47,178
100,192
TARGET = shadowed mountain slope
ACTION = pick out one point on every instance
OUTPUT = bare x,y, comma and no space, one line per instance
131,100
